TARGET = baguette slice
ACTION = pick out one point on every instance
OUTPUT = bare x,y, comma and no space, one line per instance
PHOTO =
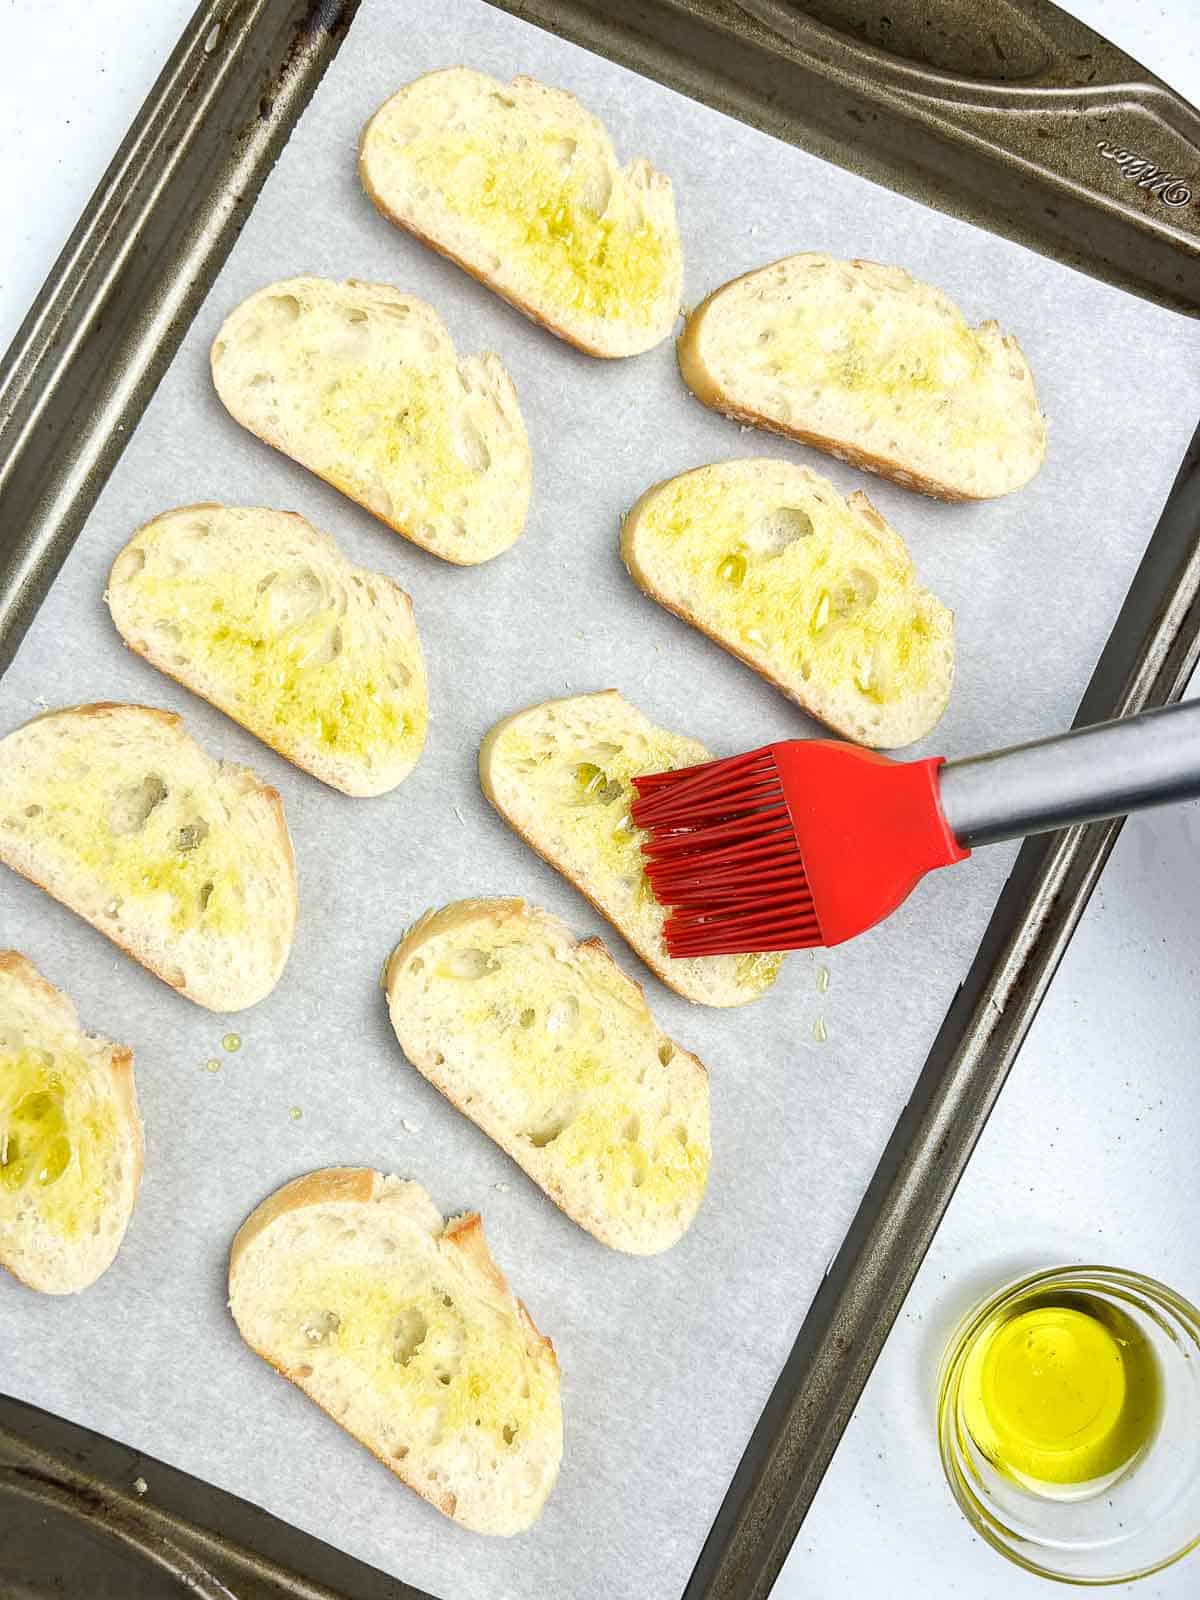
70,1137
183,861
403,1329
547,1045
262,614
362,385
874,367
815,592
561,773
520,185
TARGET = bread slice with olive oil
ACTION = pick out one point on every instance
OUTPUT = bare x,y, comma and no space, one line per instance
815,592
363,386
519,184
261,614
873,366
551,1049
70,1137
561,773
402,1327
183,861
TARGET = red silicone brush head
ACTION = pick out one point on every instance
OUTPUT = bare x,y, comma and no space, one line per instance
798,844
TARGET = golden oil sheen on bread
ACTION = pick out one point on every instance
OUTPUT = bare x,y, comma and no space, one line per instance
70,1137
363,386
519,183
874,367
262,614
561,773
544,1042
401,1326
183,861
815,592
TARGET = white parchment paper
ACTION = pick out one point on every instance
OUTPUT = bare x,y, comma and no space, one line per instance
666,1362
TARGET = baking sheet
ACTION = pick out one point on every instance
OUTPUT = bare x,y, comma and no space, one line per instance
666,1362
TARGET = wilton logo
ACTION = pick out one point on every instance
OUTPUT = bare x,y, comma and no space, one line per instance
1170,189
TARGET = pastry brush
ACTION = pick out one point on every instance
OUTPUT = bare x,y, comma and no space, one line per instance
813,841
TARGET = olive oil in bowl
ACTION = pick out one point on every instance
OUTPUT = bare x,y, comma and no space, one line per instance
1061,1392
1069,1423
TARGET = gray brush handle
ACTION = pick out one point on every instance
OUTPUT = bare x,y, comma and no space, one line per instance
1105,771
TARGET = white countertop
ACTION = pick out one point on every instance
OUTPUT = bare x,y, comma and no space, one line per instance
1091,1154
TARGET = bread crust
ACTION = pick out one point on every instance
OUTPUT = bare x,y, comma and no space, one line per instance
710,393
117,1062
466,1234
23,970
173,976
340,1185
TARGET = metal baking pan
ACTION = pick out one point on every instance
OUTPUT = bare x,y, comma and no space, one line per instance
912,96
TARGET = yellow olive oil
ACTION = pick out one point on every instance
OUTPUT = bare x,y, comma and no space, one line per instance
821,592
55,1136
602,260
1061,1393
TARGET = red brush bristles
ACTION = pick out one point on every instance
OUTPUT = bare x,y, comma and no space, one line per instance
722,853
806,842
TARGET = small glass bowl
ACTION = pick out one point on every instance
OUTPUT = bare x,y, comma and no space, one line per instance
1133,1526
